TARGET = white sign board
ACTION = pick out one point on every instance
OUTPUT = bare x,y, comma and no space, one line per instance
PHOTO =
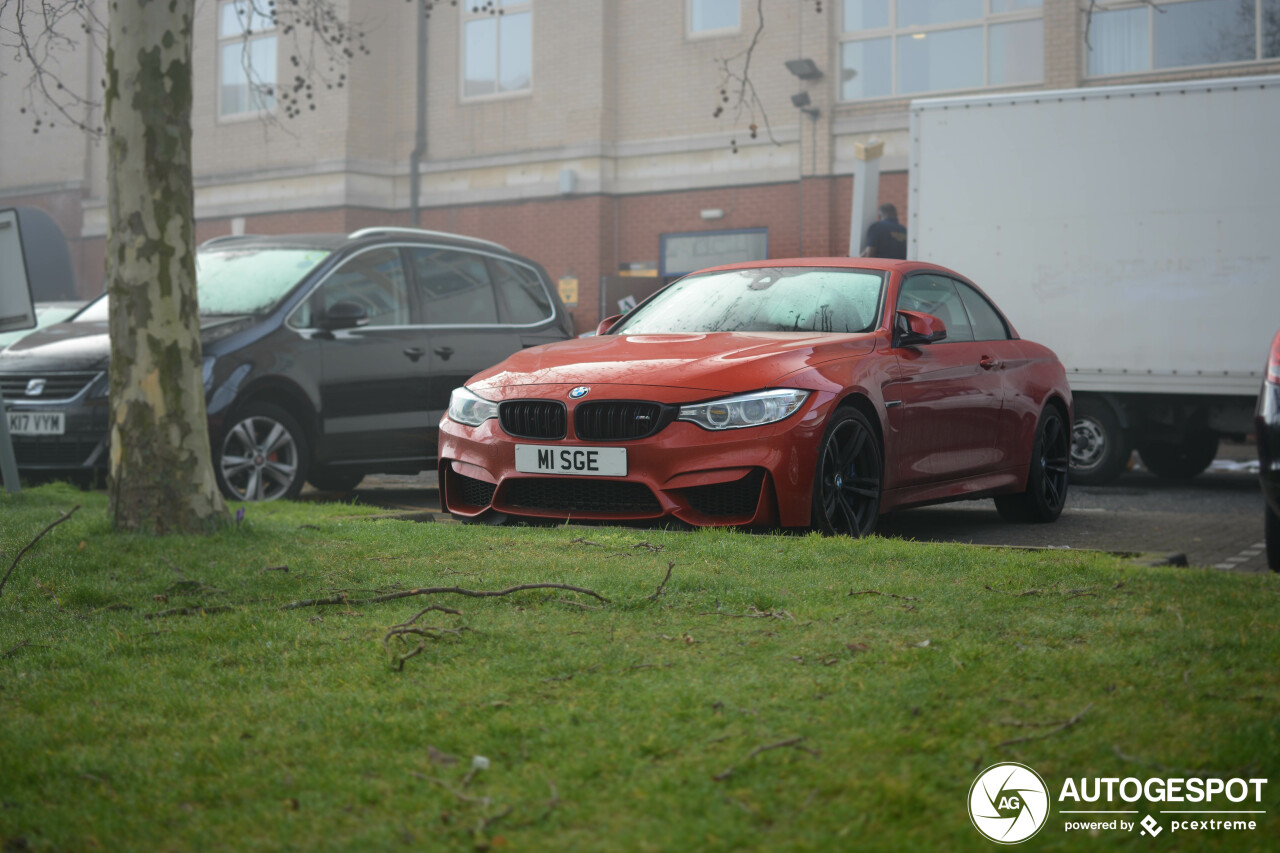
16,310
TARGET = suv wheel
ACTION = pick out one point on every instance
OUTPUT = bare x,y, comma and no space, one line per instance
263,455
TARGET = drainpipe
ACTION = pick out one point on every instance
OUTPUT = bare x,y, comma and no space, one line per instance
420,135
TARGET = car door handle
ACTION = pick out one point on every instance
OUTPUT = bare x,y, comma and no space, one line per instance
444,352
989,363
415,353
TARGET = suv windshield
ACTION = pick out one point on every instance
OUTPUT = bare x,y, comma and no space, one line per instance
246,280
773,299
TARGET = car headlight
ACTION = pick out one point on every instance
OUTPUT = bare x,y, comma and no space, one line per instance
467,408
745,410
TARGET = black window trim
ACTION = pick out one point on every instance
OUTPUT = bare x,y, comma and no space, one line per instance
1004,322
341,260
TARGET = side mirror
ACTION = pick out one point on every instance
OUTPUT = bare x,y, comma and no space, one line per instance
344,315
607,323
914,328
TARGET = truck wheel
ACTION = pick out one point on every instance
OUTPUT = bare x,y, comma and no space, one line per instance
1179,460
263,455
1046,492
1273,539
1100,449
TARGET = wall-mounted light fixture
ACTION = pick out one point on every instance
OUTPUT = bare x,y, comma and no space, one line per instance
805,69
712,213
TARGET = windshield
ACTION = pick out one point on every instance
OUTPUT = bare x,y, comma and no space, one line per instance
776,299
240,280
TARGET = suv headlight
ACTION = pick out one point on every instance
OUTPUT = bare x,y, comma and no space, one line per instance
745,410
467,408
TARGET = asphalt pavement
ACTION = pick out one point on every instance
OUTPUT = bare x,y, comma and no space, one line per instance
1213,521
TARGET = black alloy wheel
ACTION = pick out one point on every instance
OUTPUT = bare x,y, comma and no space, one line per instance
1047,480
1272,527
263,456
846,485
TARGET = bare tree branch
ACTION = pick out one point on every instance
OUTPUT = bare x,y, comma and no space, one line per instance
737,89
32,543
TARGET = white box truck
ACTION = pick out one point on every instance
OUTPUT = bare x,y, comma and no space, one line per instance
1135,230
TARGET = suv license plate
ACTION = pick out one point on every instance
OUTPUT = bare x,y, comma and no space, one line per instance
589,461
37,423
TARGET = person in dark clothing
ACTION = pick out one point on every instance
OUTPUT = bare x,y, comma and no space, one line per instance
886,238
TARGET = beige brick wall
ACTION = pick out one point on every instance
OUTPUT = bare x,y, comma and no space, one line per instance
622,95
1063,57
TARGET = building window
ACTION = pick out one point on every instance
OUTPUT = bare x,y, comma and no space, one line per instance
714,16
247,59
907,47
1125,38
497,48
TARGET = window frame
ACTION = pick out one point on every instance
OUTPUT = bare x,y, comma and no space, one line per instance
1150,69
961,286
894,33
467,16
931,274
339,257
222,41
720,32
420,305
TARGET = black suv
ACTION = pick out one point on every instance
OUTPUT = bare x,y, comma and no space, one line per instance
326,357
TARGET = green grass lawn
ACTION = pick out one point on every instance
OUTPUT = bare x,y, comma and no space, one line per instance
235,724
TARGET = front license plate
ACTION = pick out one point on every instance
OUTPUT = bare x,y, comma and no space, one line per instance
591,461
37,423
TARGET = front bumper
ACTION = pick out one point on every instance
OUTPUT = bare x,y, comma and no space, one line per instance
83,444
753,476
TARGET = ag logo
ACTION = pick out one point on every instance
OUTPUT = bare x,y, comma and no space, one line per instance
1008,803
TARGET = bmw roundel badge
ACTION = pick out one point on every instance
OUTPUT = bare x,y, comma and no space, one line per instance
579,392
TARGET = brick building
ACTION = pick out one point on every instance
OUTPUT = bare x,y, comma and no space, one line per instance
582,132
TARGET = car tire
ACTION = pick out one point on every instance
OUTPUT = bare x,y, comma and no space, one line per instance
1048,477
263,455
848,478
1179,460
1272,538
334,479
1100,449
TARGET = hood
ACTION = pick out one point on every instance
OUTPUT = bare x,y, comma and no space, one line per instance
720,362
87,346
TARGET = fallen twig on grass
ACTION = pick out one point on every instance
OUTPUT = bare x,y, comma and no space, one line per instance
782,744
188,611
15,649
1061,727
274,569
1016,594
752,613
427,632
662,585
32,543
440,590
581,540
886,594
577,604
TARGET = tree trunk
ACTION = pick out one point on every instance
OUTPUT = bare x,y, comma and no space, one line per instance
161,475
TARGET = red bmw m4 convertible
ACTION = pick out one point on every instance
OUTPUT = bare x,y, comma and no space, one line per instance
815,392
